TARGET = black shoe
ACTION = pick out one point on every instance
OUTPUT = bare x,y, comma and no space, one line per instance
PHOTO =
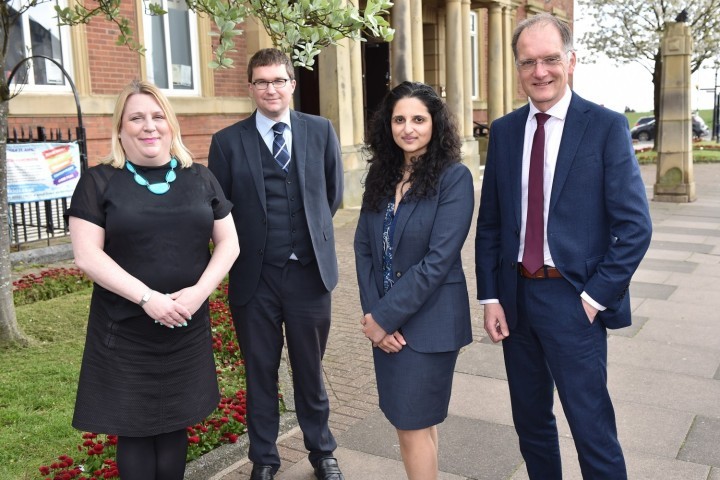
262,472
327,469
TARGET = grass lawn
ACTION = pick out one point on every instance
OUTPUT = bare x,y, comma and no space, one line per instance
39,384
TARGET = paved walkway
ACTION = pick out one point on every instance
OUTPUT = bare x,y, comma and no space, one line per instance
664,373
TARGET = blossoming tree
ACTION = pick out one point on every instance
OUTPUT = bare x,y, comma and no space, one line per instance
301,28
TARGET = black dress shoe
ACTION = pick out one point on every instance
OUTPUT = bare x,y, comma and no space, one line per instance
262,472
327,469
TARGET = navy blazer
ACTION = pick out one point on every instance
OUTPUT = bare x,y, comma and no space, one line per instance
235,159
429,300
598,226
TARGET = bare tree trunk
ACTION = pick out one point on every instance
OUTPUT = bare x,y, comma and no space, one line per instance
10,333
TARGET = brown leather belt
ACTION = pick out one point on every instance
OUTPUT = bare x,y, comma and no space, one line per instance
544,272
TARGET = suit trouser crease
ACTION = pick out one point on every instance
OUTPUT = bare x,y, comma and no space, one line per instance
292,297
554,343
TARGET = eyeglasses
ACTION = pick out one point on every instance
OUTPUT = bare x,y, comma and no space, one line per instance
264,84
548,62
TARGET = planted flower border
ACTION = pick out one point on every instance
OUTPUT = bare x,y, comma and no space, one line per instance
95,457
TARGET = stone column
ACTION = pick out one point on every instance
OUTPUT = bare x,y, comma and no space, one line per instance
454,68
466,74
495,101
401,46
508,61
675,179
336,101
418,49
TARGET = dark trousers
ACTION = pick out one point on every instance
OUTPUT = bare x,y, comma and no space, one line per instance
554,343
295,298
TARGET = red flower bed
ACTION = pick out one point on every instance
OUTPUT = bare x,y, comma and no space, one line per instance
96,459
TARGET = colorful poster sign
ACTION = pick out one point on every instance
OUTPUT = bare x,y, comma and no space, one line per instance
42,171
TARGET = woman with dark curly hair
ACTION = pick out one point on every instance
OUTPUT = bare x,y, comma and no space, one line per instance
416,213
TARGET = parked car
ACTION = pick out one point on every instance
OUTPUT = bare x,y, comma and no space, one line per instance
646,131
643,120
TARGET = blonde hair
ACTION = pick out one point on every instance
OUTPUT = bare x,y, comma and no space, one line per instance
117,155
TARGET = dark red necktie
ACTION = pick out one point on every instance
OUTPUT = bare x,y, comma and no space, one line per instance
533,255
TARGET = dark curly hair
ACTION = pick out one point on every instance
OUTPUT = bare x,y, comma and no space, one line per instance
386,158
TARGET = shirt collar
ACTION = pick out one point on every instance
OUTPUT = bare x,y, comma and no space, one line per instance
265,124
559,110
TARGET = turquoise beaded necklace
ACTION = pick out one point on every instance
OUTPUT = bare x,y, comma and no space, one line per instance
159,188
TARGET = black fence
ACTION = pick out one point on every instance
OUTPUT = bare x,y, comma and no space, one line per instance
43,220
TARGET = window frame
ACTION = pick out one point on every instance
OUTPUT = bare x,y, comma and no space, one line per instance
147,19
66,54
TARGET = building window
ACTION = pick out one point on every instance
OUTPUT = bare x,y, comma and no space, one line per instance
172,54
36,32
474,55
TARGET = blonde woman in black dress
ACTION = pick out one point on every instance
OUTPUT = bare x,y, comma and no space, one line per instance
140,224
416,213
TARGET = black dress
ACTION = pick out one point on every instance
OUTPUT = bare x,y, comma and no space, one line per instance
139,378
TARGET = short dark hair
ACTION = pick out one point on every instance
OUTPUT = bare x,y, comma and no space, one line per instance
544,18
267,57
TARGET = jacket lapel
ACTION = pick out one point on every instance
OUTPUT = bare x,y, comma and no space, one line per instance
515,157
403,215
251,145
299,147
576,124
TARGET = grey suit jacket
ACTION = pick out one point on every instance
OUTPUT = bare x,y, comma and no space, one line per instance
429,300
598,226
235,160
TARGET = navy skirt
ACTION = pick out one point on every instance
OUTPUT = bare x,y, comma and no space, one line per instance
414,387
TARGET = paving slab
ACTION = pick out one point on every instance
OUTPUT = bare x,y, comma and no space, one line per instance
703,442
666,356
683,329
638,322
483,359
640,466
358,466
468,447
481,398
651,290
664,389
659,262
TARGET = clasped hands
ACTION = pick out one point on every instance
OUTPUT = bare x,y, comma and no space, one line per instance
174,309
388,343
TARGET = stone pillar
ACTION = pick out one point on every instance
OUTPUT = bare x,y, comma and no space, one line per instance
508,61
418,49
466,74
353,162
401,46
495,101
675,179
454,68
336,102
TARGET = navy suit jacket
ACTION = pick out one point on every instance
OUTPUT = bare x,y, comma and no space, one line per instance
429,300
598,226
235,160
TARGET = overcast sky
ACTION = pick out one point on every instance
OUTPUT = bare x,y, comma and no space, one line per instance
629,85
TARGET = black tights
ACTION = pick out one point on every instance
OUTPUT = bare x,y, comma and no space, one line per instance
160,457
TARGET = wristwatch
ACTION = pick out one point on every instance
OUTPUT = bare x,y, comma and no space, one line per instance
145,298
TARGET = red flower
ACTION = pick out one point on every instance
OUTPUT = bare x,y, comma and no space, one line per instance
45,470
194,439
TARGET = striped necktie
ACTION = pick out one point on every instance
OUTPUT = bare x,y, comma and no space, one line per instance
280,151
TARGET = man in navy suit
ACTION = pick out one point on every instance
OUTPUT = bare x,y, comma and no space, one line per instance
283,172
557,243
